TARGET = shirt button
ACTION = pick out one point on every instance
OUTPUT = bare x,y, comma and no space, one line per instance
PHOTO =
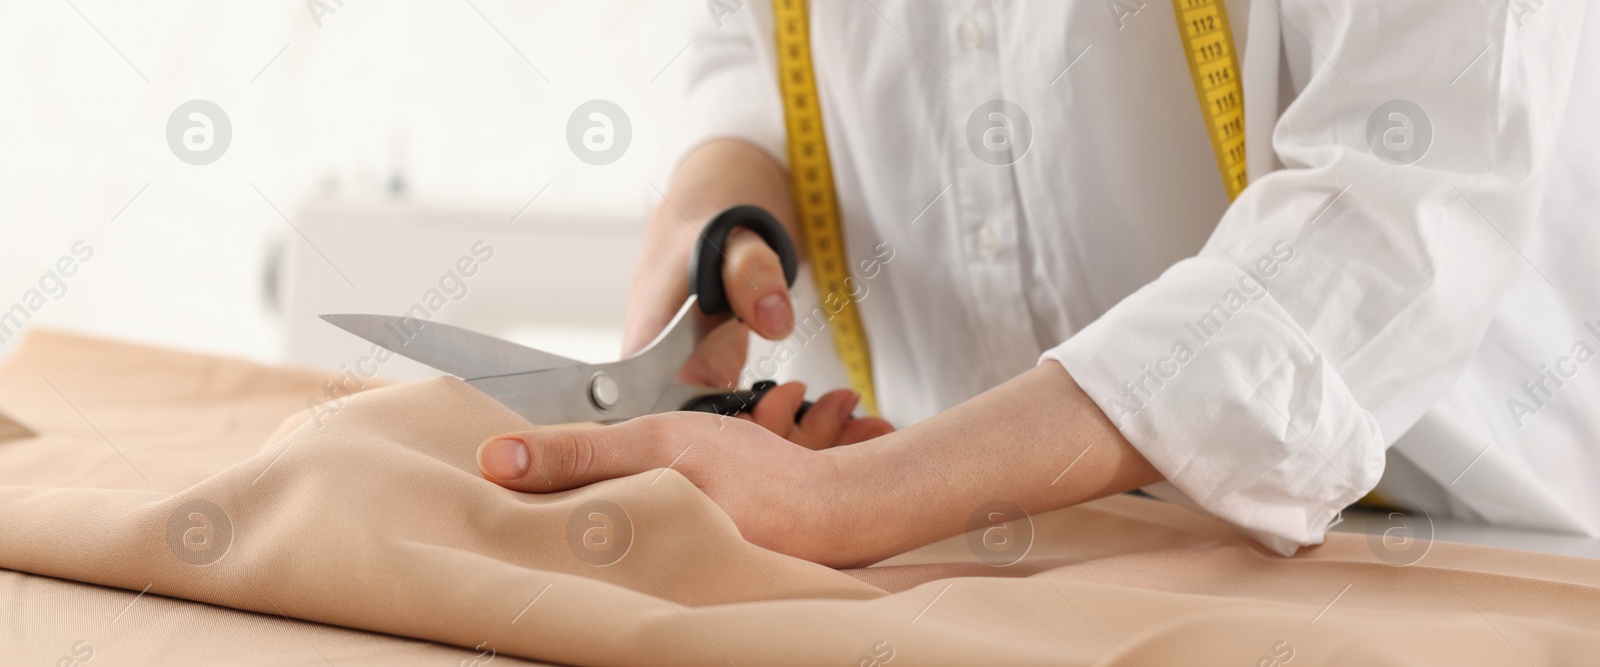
970,34
988,243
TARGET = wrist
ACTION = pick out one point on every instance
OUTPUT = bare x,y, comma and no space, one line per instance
869,505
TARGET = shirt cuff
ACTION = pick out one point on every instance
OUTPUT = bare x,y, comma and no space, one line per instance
1224,393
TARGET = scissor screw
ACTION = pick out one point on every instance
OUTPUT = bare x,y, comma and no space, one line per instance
603,390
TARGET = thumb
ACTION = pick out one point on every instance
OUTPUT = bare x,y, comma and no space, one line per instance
753,278
557,459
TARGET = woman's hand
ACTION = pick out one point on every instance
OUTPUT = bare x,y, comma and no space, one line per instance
1036,441
713,177
782,496
829,423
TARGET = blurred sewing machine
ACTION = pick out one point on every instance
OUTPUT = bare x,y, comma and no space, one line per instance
556,282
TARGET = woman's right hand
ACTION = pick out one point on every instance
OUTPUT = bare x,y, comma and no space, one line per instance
713,177
755,285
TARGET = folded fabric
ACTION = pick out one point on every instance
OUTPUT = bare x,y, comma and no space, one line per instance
11,430
69,624
177,475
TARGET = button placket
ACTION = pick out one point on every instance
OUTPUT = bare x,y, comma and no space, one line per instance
970,34
985,214
988,242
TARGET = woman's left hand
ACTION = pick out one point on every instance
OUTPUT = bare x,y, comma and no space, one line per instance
783,496
857,504
830,422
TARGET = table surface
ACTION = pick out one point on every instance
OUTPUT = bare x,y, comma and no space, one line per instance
1374,521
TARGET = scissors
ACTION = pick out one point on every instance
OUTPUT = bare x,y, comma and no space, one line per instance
547,388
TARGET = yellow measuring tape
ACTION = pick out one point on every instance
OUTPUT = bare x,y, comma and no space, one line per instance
1207,44
811,180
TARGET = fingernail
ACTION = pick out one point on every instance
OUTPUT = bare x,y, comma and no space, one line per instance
772,314
847,412
504,459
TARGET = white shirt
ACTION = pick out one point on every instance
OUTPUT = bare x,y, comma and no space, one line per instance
1344,305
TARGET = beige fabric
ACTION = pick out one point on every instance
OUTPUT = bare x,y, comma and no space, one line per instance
11,430
377,521
50,622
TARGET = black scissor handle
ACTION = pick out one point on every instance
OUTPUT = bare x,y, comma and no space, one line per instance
705,280
740,401
705,263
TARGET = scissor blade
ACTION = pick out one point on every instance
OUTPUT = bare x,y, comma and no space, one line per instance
546,398
562,395
460,352
641,384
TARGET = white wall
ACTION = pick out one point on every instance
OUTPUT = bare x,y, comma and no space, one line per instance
428,90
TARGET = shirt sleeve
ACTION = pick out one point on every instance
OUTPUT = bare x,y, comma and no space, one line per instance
731,85
1342,294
